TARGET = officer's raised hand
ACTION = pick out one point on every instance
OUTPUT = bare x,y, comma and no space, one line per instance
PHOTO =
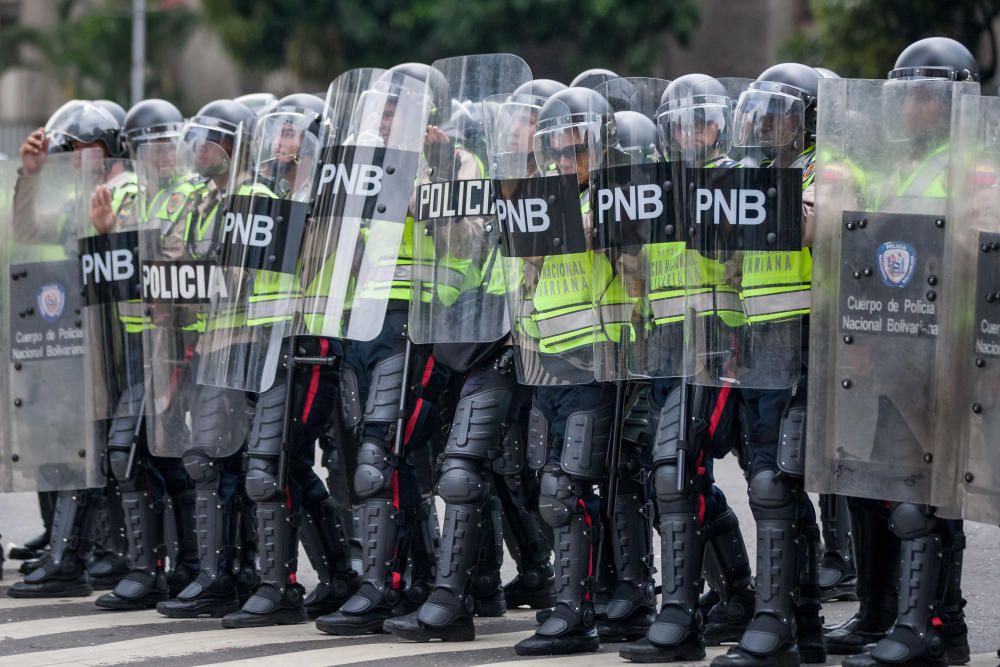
34,151
101,214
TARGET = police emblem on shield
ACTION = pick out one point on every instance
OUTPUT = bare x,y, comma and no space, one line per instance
51,300
896,263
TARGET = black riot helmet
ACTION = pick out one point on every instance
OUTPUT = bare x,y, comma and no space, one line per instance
151,120
592,78
544,88
636,137
209,137
575,122
694,119
83,122
437,86
113,108
936,58
778,110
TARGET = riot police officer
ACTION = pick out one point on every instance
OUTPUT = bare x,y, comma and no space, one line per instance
695,129
777,118
211,453
76,126
151,126
287,139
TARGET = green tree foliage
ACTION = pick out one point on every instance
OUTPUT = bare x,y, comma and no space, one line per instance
317,39
861,38
88,50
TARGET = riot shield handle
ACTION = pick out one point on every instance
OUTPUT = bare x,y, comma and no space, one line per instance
397,445
615,448
130,464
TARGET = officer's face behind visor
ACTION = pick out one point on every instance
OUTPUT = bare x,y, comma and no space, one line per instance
205,150
921,108
694,131
515,121
768,118
157,154
567,149
285,138
390,115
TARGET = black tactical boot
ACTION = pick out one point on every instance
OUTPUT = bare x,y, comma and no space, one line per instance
446,615
488,600
632,607
837,572
373,603
676,634
878,576
808,622
61,573
34,547
770,638
533,587
953,628
213,591
572,625
146,584
915,638
326,547
727,571
279,598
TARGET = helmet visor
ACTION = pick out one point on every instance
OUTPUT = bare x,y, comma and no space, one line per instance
511,123
206,147
285,148
79,122
695,128
386,114
769,119
568,144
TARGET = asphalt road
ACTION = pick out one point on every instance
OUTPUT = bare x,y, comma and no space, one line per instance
75,632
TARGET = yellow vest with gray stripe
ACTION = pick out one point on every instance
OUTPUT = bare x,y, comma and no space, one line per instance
564,317
778,285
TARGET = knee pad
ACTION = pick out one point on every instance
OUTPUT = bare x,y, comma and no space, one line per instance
350,398
462,482
772,496
200,467
386,386
373,474
262,479
477,426
588,436
558,497
665,482
909,521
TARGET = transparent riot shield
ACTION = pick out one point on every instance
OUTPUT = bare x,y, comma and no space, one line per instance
263,223
51,442
113,314
180,232
457,282
358,254
540,171
879,274
632,201
745,305
968,369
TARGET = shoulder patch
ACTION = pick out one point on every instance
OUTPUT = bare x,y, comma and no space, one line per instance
175,202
